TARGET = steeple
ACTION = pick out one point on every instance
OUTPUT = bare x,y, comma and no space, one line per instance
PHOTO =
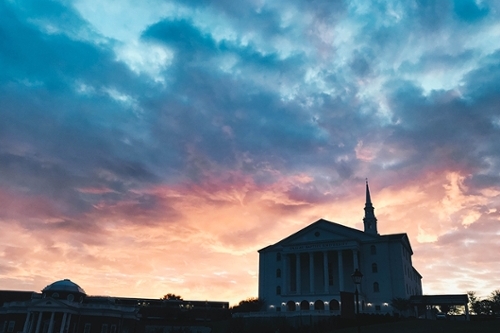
370,221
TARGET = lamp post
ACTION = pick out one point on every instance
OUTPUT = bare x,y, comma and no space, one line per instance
356,278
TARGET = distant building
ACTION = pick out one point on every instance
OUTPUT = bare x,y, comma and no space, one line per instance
311,269
64,307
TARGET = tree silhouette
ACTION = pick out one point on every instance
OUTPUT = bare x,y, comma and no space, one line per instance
401,304
252,304
485,307
170,297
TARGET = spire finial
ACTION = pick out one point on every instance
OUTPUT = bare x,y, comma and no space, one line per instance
368,197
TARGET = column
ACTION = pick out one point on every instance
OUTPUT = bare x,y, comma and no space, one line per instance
63,322
27,322
341,271
284,275
66,329
51,323
311,272
467,317
325,272
297,269
39,321
32,324
355,259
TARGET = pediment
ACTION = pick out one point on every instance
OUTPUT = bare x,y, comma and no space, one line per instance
323,231
49,303
318,233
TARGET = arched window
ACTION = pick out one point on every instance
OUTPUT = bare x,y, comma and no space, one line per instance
376,288
278,273
319,305
373,249
290,306
278,256
278,290
304,305
374,268
334,305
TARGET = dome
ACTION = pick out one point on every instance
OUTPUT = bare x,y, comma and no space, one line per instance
65,286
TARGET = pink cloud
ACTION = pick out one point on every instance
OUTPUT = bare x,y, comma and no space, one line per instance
201,240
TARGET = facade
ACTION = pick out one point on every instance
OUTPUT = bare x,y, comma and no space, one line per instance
64,307
311,269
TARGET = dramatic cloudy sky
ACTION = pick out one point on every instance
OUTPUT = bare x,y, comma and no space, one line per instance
152,147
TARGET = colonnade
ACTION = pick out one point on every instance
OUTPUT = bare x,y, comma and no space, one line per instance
318,268
37,316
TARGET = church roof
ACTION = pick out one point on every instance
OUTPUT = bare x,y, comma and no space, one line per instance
342,231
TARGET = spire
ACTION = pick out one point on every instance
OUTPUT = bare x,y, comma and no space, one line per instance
368,198
370,221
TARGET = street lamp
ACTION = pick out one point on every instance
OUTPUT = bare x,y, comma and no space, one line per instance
356,278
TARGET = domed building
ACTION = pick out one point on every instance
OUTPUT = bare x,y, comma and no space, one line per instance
64,307
64,289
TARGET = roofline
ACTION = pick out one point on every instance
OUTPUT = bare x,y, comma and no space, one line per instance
310,226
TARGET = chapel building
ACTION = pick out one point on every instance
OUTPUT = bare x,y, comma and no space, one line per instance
311,269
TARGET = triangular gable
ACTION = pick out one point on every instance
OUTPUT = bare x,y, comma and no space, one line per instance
322,230
49,303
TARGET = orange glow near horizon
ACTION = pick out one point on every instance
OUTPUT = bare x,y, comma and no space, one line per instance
207,249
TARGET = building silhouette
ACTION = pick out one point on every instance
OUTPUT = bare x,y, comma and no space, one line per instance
311,269
64,307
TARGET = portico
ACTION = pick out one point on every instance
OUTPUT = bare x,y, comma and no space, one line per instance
41,321
317,272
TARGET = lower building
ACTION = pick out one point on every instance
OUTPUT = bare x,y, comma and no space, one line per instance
64,307
311,270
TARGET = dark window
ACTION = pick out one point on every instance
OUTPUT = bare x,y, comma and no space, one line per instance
87,328
278,273
278,309
373,249
12,323
278,256
319,305
278,290
376,288
330,274
374,268
104,328
334,305
377,307
113,329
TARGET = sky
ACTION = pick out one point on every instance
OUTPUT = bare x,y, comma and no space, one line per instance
153,147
